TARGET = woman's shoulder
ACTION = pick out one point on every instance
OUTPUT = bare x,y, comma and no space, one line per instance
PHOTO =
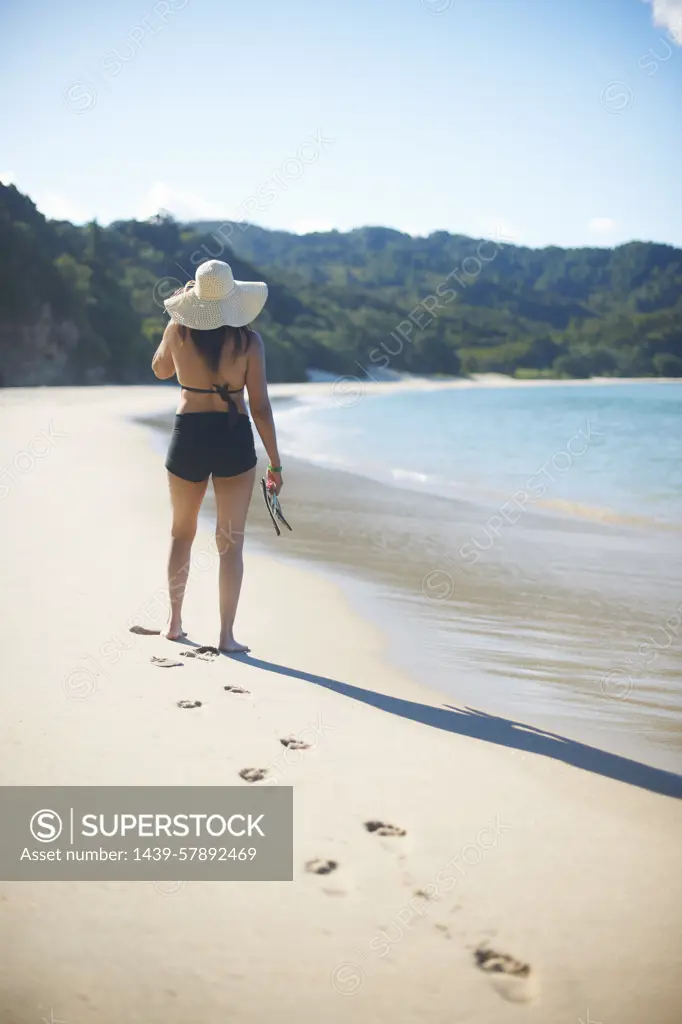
173,333
255,340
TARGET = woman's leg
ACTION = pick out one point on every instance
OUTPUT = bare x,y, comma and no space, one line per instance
233,496
186,498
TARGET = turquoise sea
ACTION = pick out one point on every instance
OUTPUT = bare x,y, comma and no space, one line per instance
519,547
602,452
522,546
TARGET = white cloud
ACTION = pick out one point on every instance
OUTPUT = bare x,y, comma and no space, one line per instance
602,225
499,228
51,204
58,207
668,15
187,206
307,227
183,205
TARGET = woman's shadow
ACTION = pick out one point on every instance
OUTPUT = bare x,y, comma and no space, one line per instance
493,729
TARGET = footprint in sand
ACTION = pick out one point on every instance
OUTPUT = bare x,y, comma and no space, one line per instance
143,631
293,744
440,926
511,978
165,662
203,653
320,866
340,885
189,704
382,829
253,774
236,689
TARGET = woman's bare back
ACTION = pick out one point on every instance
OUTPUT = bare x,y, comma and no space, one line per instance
192,371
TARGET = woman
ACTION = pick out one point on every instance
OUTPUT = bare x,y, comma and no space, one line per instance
215,353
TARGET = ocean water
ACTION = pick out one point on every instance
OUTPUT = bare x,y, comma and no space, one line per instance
525,545
520,547
610,452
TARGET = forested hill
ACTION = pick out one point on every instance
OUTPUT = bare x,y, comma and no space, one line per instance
501,307
84,304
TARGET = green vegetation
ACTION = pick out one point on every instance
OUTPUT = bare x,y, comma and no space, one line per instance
84,304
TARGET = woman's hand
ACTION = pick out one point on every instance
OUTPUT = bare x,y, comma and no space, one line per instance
273,480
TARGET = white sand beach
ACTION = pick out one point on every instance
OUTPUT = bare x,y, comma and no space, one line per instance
522,844
345,389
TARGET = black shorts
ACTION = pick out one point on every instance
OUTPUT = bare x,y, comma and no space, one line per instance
205,443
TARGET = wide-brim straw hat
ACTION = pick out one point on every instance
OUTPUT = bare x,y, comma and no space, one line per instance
215,299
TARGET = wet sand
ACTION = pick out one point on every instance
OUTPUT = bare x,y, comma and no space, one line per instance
572,625
559,858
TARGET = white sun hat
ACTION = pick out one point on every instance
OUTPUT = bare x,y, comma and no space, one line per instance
215,299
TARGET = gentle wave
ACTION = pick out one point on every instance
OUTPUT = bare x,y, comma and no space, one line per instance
604,454
603,515
410,474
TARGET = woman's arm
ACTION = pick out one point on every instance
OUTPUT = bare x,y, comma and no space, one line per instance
259,403
162,363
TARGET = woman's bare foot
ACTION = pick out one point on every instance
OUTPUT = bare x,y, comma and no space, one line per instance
228,645
174,631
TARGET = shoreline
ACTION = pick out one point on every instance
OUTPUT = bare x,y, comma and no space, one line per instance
483,636
349,393
541,836
480,629
405,382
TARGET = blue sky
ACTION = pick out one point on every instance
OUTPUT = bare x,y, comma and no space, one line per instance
547,121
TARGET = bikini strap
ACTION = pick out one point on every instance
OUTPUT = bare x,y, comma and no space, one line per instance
219,389
225,393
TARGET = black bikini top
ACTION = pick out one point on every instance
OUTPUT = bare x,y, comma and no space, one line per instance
225,393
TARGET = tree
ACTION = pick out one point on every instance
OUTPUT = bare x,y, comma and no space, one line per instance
667,365
335,299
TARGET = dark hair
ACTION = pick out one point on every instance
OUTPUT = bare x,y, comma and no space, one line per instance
210,344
